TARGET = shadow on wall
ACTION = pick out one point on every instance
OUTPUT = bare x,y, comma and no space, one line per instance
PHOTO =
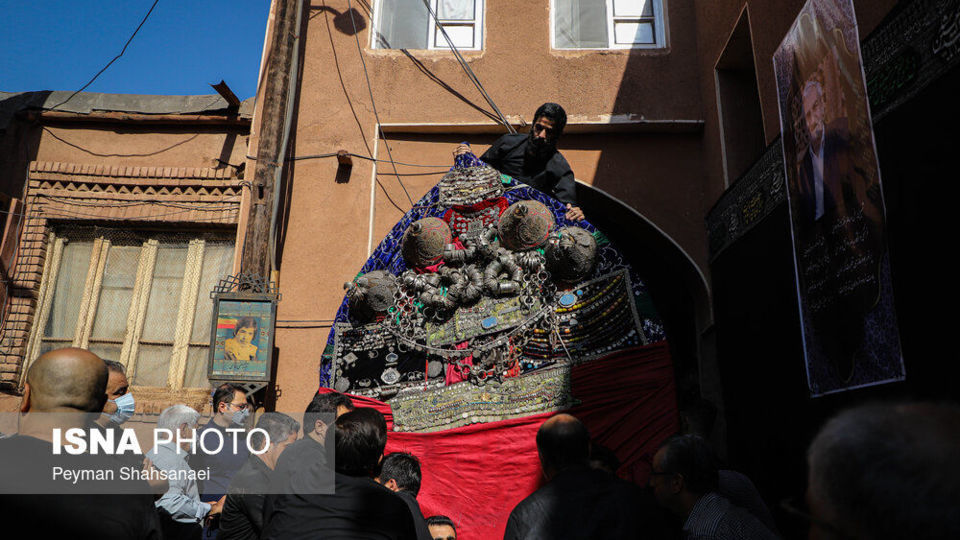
349,22
647,190
18,140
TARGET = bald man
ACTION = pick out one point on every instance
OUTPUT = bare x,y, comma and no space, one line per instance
65,380
577,501
64,389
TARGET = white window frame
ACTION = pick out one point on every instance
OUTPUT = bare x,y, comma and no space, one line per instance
435,36
659,26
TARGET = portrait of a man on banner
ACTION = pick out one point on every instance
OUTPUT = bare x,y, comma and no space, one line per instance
836,203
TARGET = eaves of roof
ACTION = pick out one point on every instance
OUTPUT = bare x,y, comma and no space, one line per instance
90,103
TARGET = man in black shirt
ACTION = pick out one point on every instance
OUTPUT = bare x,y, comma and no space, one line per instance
310,449
577,501
242,517
534,160
61,386
230,412
359,508
400,472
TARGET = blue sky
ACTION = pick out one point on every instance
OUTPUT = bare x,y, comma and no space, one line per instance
184,46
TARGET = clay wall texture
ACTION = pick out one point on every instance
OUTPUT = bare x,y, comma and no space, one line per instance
662,159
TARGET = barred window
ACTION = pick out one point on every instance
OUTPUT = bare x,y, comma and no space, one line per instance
141,298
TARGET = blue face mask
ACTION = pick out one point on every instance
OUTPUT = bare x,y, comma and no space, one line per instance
125,407
240,417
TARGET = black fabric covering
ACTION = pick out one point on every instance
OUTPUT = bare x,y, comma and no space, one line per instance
552,176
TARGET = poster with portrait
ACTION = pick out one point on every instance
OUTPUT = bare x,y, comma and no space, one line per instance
837,215
242,339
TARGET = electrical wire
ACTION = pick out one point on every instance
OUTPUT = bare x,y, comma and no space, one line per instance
67,214
358,156
99,154
466,68
80,202
125,45
73,201
386,143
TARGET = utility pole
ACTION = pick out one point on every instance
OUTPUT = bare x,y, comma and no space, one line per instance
273,91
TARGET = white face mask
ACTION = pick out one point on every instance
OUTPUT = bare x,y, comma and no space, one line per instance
240,417
125,407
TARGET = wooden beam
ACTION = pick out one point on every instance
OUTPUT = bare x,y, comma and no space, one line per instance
275,86
136,118
232,100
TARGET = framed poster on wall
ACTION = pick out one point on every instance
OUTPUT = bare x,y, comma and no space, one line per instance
242,333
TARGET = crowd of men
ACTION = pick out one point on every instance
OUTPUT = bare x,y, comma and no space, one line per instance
875,471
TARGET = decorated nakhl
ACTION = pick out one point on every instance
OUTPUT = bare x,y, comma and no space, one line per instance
478,303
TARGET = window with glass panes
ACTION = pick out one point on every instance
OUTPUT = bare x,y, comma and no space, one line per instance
407,24
138,297
608,24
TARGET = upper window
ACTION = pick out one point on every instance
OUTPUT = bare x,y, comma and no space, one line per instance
142,299
406,24
607,24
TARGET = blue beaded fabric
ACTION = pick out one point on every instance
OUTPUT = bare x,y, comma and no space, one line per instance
388,257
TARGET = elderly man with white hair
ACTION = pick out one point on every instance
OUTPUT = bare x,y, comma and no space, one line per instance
180,508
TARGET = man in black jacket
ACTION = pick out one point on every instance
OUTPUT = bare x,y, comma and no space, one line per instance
242,516
65,389
534,160
357,508
400,472
577,501
322,410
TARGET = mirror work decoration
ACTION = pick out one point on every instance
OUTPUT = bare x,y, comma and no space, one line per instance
478,303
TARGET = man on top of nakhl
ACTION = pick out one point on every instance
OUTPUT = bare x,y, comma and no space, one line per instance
534,160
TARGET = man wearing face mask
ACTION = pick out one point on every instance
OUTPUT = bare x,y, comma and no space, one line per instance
120,404
231,411
534,160
119,408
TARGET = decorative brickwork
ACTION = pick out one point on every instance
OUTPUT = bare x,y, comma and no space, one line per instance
84,193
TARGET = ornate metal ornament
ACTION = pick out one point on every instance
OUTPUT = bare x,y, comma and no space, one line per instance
525,225
424,241
470,185
246,284
472,322
570,254
438,407
371,294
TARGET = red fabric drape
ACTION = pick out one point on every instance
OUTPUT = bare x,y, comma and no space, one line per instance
476,474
